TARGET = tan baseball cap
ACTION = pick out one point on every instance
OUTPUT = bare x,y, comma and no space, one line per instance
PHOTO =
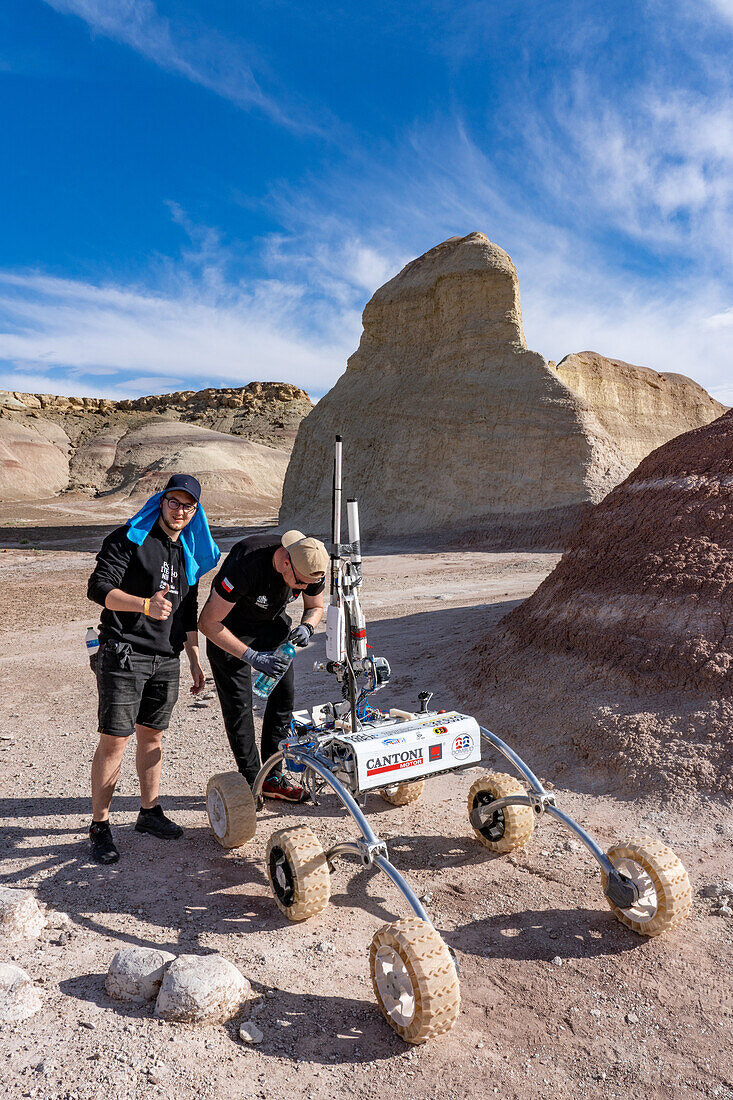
309,556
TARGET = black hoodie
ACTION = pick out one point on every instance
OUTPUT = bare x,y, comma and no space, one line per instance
141,571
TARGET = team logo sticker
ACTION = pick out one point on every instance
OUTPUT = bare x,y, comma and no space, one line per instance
438,730
394,740
462,746
436,752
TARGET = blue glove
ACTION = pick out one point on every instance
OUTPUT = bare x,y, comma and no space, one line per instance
269,662
301,635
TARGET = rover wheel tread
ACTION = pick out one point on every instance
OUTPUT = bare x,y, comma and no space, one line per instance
512,826
303,886
401,794
666,896
424,974
231,809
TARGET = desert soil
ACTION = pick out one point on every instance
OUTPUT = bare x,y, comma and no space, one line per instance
621,1015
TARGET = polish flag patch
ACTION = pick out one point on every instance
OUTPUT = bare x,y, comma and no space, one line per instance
226,585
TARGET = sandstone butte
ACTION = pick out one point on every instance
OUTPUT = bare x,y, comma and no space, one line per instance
624,654
237,441
451,424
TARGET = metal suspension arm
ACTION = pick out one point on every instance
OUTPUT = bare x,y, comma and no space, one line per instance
370,850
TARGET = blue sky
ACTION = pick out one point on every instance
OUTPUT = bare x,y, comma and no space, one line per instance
208,193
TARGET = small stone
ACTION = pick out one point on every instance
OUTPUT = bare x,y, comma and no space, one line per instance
595,1012
325,948
88,1024
725,911
201,989
18,996
20,915
572,846
250,1033
632,1018
426,898
557,961
135,974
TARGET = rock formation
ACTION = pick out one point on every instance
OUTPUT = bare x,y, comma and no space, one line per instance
19,998
135,974
201,989
450,424
624,654
20,915
639,408
236,440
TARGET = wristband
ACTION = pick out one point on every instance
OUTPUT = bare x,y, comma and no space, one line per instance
146,605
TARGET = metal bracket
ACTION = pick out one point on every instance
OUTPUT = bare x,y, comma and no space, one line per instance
368,850
620,890
539,801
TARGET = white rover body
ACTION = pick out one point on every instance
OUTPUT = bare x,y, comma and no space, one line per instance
352,749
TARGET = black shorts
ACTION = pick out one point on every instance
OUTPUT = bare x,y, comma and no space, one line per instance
135,688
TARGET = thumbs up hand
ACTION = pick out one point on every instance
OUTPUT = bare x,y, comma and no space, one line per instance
160,607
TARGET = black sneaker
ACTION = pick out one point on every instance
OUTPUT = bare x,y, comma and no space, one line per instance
154,821
103,846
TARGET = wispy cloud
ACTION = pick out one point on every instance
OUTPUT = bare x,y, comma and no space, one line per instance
266,330
199,54
723,8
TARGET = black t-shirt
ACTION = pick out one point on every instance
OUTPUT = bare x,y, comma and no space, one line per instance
141,571
249,580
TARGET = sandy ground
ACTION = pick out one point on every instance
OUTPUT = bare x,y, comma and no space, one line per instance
622,1015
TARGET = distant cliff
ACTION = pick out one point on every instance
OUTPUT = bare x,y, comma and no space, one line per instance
237,440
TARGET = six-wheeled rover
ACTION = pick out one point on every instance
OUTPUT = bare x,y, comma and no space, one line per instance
350,748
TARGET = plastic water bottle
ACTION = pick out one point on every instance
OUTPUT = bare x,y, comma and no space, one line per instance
264,684
92,641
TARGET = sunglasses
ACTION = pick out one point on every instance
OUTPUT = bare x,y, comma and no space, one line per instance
179,506
298,582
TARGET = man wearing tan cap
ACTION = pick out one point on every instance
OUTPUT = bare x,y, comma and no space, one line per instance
245,620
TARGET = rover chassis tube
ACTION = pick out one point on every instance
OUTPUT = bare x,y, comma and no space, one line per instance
618,888
372,850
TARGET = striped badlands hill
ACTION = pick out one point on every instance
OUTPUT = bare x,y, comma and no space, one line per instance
626,649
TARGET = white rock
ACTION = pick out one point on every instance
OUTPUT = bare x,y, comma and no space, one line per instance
20,915
135,974
18,996
725,911
595,1012
250,1033
572,846
557,961
632,1018
201,989
56,919
325,948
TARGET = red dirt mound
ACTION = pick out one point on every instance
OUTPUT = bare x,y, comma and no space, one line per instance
647,582
626,649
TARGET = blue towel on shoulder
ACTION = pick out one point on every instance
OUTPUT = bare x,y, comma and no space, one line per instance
200,552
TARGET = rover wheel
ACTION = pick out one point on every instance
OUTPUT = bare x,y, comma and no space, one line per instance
665,894
298,872
414,979
509,827
400,794
231,809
